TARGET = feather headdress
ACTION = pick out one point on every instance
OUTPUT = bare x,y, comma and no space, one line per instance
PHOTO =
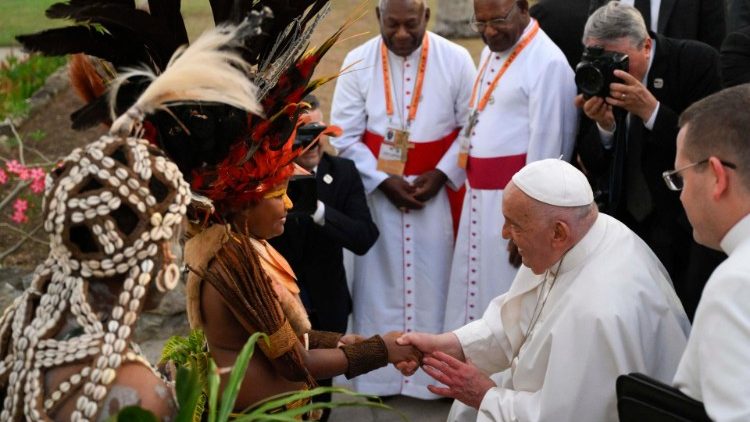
230,148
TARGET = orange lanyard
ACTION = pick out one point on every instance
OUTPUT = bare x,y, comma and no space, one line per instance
417,84
513,55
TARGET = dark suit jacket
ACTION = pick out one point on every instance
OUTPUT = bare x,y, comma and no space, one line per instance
702,20
735,58
682,72
315,252
563,21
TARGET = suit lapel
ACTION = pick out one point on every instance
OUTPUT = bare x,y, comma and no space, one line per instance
324,168
665,12
656,75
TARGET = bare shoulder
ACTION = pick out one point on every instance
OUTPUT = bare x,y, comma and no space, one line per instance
137,385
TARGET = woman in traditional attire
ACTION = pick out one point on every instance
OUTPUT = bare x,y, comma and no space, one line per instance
114,211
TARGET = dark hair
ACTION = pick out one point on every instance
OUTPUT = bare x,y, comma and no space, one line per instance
312,100
719,127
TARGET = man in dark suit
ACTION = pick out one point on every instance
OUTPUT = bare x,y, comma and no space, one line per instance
665,76
563,21
735,58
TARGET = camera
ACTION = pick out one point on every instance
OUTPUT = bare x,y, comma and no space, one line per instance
307,133
595,71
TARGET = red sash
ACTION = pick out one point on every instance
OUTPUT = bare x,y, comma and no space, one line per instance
493,173
422,158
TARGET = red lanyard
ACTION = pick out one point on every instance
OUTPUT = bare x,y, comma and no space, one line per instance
513,55
417,84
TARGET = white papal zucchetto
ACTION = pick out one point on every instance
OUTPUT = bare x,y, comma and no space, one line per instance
554,182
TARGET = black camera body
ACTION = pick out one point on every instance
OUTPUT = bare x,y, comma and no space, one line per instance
307,133
596,70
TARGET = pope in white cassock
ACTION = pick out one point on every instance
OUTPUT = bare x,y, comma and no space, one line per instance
521,111
400,103
590,302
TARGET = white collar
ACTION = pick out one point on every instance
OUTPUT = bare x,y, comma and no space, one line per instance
736,236
583,249
650,62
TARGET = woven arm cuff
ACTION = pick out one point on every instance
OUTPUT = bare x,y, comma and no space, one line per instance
280,342
365,356
324,339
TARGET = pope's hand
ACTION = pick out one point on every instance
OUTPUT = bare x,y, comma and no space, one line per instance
400,354
427,344
632,96
400,193
463,381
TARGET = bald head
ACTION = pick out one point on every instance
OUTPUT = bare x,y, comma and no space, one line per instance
402,24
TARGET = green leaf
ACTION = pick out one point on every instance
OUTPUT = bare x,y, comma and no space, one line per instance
213,390
189,392
237,375
133,414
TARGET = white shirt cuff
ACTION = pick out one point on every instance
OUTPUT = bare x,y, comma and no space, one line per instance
606,136
319,216
649,124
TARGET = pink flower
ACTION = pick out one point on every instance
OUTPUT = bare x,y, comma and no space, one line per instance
37,176
3,177
15,167
20,206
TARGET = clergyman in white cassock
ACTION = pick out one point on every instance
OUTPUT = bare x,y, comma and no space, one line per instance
402,282
557,341
526,116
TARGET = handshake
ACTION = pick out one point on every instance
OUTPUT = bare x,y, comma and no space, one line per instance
441,357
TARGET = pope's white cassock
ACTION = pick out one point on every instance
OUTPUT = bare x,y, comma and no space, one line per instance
402,282
530,116
607,308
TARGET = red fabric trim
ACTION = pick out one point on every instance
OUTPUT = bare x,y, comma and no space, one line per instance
493,173
420,159
423,157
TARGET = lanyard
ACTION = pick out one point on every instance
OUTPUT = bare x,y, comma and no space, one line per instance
513,55
417,84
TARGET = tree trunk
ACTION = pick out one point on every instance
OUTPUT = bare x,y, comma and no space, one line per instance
453,18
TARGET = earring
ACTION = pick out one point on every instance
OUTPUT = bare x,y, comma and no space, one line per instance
168,277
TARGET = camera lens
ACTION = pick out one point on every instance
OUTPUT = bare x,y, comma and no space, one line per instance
589,80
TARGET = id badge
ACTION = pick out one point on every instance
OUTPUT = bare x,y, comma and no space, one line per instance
394,152
463,150
390,160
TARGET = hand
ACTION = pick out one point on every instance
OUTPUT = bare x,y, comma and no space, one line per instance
596,109
427,344
400,353
514,257
428,184
350,339
400,193
632,96
464,381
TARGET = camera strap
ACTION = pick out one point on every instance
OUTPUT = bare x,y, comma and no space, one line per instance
417,91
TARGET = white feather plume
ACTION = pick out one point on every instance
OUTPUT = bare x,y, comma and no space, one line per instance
204,71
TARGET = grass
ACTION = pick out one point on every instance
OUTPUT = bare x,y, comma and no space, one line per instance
26,16
20,78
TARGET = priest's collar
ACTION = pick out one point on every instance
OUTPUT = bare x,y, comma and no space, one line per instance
737,235
581,250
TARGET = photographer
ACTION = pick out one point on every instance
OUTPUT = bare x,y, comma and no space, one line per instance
625,161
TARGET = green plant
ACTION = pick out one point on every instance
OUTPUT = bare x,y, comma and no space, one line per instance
188,353
20,78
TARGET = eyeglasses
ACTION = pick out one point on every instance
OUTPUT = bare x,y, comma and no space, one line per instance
674,180
497,23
